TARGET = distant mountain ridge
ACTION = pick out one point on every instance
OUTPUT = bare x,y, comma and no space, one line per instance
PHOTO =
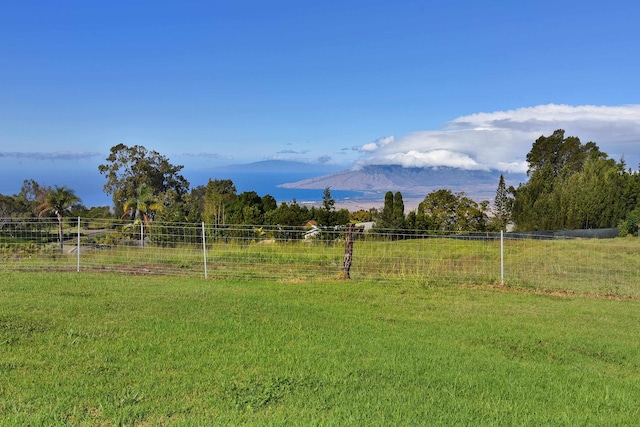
411,181
370,181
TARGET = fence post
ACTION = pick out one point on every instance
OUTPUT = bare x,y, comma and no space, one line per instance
502,257
78,267
204,250
348,251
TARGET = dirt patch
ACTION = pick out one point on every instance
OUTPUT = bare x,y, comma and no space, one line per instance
552,292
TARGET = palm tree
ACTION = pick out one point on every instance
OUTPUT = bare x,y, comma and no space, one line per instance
143,204
58,201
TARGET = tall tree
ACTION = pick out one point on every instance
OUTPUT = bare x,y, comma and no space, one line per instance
246,208
128,168
289,214
269,203
593,197
143,205
386,215
8,208
397,218
32,191
328,202
500,204
557,154
218,193
326,214
31,195
553,160
442,210
58,201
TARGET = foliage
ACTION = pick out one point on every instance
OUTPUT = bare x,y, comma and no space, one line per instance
32,201
328,202
392,214
23,205
326,215
247,208
8,207
32,191
128,168
573,186
556,155
218,193
143,205
100,212
397,218
442,210
58,202
502,205
288,214
593,196
191,209
361,215
630,224
386,215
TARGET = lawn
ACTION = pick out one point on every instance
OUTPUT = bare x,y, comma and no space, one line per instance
115,349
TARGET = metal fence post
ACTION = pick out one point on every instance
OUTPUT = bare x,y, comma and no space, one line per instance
78,268
501,257
204,250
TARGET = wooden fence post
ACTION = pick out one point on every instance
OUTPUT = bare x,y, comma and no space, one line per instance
348,251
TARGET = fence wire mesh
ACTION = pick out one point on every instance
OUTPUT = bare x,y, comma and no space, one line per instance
298,253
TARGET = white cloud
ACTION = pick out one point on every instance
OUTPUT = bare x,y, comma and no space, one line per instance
372,146
381,142
501,140
433,158
54,155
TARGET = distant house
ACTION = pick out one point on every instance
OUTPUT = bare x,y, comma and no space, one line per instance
364,226
315,231
312,233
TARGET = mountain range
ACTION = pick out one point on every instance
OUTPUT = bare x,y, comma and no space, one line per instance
477,184
289,180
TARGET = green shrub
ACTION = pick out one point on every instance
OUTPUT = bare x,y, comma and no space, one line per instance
630,224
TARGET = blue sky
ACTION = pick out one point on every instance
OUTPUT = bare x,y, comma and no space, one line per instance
420,83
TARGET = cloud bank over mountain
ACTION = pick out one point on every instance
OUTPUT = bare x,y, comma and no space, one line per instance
501,140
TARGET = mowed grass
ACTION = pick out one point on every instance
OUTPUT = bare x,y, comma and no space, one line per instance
115,349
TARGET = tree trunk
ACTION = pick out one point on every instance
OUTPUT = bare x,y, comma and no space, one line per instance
60,232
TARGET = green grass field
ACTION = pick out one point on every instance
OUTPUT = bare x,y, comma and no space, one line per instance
115,349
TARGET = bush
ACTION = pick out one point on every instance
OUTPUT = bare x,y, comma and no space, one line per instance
630,224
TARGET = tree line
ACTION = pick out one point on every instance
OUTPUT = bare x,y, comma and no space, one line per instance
571,185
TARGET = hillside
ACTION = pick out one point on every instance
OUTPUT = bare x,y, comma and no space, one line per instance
410,181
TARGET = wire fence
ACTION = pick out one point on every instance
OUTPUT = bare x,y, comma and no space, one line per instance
601,266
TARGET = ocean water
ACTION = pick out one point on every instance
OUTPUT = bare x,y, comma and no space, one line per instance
88,183
265,183
84,180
